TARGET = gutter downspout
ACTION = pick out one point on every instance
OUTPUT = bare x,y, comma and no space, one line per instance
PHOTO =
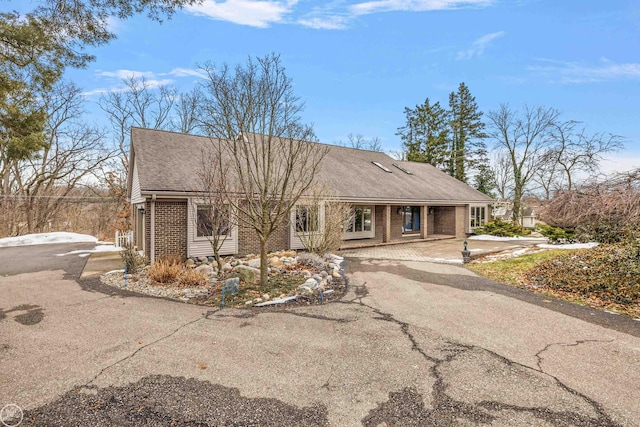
152,232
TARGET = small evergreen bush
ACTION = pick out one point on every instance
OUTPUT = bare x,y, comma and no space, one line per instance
501,228
132,260
558,235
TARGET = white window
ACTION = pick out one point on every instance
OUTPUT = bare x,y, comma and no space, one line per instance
362,223
307,219
478,216
206,217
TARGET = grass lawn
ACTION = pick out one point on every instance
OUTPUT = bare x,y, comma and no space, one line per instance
515,272
511,271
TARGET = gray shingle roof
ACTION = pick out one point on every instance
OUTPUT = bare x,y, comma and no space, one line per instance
167,161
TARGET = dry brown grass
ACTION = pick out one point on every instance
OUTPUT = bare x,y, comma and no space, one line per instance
165,271
191,278
171,271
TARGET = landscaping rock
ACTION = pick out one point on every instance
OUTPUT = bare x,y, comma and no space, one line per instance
248,302
257,300
227,267
190,263
324,274
203,259
266,297
249,274
306,273
275,261
336,274
206,270
255,263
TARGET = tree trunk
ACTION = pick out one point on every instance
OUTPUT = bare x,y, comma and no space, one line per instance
264,273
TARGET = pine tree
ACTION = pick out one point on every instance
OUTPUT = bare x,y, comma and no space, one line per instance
425,134
467,133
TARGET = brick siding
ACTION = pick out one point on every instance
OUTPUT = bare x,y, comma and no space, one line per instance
170,228
249,242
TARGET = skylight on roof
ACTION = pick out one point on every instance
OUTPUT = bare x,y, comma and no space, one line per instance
383,167
405,170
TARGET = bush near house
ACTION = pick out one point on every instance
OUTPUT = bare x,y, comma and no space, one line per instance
605,276
500,228
558,235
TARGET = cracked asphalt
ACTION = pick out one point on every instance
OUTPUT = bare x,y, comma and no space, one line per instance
410,344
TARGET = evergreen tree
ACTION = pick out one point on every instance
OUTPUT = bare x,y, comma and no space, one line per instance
425,134
466,144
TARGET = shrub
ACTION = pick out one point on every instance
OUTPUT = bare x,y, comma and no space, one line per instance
558,235
501,228
311,260
165,271
132,260
610,273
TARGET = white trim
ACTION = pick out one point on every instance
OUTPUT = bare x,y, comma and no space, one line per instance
295,242
200,245
469,228
363,234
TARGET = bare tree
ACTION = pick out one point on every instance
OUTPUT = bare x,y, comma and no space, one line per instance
253,107
139,104
72,158
321,220
213,217
360,142
187,107
605,210
524,138
576,151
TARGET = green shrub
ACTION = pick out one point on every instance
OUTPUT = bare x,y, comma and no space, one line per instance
501,228
558,235
132,260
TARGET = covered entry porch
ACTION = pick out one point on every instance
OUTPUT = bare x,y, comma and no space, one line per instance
381,224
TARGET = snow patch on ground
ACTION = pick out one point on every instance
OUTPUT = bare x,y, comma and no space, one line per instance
505,239
46,238
569,246
87,252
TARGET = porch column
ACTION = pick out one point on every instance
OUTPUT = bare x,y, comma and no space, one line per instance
423,221
152,231
386,237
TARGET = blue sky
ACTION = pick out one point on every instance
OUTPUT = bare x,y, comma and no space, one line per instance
357,64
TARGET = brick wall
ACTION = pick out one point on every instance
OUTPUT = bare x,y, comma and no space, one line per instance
462,218
249,243
444,221
170,228
396,223
379,224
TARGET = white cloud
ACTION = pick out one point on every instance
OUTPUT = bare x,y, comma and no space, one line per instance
576,73
126,74
329,22
187,72
479,45
415,5
254,13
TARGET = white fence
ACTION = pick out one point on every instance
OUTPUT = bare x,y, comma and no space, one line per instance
123,238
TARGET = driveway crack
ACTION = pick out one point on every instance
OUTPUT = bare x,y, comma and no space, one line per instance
446,409
139,349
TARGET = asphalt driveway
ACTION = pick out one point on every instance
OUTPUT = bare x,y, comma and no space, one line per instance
412,343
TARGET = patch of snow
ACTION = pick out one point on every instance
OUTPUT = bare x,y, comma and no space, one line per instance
46,238
275,301
569,246
445,260
504,239
87,252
